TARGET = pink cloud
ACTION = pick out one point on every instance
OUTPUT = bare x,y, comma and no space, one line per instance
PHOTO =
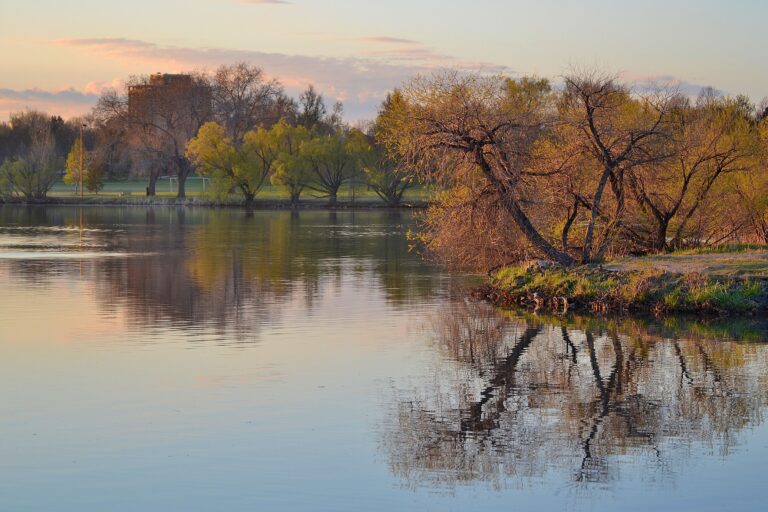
67,102
387,40
362,81
650,81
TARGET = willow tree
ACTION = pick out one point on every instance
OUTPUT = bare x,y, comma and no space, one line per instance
334,160
246,166
478,135
384,171
710,141
292,169
614,132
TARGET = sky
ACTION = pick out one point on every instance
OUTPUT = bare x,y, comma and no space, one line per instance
59,55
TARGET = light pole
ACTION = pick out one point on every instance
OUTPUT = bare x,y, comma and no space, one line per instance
82,152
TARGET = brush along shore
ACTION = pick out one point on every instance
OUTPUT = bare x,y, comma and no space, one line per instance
716,283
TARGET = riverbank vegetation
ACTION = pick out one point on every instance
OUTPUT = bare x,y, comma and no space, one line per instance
582,179
635,288
579,174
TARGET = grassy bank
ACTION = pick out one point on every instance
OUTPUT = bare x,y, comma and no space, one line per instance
202,201
132,192
714,283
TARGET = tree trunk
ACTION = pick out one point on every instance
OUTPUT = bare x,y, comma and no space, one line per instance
184,169
568,223
586,254
510,204
332,198
660,243
295,198
152,186
249,197
533,236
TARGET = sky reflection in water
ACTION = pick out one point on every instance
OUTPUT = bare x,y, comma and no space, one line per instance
308,361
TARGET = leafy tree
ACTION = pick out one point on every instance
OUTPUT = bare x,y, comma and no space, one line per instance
334,160
73,162
292,169
246,166
386,176
477,134
384,170
95,178
616,132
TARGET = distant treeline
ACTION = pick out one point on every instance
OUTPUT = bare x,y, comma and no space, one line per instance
233,126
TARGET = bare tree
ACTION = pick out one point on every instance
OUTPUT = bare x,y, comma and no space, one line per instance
35,169
619,132
479,133
243,99
710,140
160,114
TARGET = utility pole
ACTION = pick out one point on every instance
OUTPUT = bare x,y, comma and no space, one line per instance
82,153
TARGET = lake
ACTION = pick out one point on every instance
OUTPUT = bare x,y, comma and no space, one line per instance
156,359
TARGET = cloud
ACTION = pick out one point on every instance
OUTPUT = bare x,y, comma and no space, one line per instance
387,40
261,2
360,82
67,102
649,82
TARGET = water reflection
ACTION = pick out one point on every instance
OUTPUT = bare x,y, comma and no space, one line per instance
300,325
225,270
517,398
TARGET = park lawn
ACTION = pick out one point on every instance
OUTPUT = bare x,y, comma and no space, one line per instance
194,189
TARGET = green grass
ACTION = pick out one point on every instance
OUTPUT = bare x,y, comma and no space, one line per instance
723,248
591,287
129,191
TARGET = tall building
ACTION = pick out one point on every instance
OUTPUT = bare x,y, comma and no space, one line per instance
169,91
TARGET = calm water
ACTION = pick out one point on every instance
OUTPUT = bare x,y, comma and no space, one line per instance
162,359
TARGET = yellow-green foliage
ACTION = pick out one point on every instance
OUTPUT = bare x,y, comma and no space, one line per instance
72,177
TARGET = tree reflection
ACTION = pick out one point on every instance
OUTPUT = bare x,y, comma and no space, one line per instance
519,398
226,270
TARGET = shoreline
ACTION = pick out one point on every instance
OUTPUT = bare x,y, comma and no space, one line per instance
593,289
194,202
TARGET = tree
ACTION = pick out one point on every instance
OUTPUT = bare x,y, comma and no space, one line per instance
160,114
35,170
383,167
243,100
386,176
312,109
334,160
95,177
750,199
292,169
246,166
709,141
478,133
73,163
617,132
